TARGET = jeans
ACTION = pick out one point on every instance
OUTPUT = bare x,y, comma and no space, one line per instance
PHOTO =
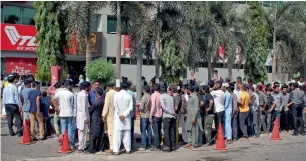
157,122
220,118
276,114
132,131
255,122
297,110
243,120
228,122
74,129
12,111
235,124
169,124
66,123
200,139
286,120
266,121
146,135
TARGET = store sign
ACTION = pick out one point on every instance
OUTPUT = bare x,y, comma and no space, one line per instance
127,51
20,65
16,37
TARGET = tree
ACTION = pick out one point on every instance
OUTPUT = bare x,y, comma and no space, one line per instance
256,53
136,22
286,28
50,26
101,70
172,61
79,24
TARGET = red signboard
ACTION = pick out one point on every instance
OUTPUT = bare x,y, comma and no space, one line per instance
20,65
127,52
18,38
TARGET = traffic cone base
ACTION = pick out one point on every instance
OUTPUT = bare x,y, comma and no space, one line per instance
220,143
65,146
275,133
26,138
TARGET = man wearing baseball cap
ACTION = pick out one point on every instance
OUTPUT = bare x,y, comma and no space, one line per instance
228,113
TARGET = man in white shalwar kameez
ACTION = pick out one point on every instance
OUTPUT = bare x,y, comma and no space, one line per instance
123,104
83,115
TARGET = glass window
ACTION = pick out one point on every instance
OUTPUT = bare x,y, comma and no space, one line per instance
125,61
242,2
11,14
28,16
266,3
133,61
94,23
111,24
112,59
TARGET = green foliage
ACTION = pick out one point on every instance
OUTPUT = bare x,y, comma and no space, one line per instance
50,27
172,61
256,53
101,70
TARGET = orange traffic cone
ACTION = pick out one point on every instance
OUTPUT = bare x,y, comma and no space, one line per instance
26,138
220,143
65,147
275,133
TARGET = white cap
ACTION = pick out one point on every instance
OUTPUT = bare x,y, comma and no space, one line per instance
225,85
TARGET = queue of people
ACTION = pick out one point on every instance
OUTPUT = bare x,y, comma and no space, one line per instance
99,119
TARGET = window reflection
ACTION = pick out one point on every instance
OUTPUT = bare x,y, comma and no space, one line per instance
11,14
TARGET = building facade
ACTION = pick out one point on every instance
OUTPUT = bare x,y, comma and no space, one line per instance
18,45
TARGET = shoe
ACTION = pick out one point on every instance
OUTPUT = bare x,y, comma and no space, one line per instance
191,147
256,136
235,140
187,145
155,149
295,134
141,149
244,139
80,151
12,134
109,151
128,152
166,149
229,142
117,153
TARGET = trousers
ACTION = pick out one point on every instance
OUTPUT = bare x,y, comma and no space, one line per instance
266,121
82,136
228,123
193,135
243,121
208,121
255,122
297,110
12,111
125,137
235,124
37,116
168,127
157,123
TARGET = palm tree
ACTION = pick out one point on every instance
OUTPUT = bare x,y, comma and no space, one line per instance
134,15
285,25
79,24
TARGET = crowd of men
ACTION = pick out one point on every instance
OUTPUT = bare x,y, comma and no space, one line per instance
107,117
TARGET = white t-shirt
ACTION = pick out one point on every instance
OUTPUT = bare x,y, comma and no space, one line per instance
65,99
219,99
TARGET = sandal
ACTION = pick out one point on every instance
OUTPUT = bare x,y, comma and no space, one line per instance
166,149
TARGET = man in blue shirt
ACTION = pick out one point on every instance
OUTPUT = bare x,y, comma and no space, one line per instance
25,100
92,93
228,113
35,112
12,104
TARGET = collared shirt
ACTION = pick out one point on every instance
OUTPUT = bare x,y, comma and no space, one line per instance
286,99
91,97
156,109
145,106
278,101
10,95
167,103
298,96
66,103
262,98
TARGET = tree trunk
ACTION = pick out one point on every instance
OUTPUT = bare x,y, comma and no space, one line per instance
230,60
139,73
88,49
157,46
274,51
209,58
118,54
